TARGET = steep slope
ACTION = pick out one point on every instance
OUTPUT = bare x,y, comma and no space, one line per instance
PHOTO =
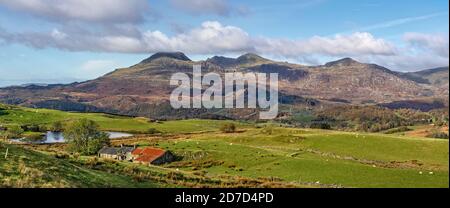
25,168
437,76
358,82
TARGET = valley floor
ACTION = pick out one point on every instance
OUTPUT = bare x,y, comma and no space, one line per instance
256,155
252,158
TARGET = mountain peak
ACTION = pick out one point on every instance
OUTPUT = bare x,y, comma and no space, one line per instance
250,58
222,61
342,62
172,55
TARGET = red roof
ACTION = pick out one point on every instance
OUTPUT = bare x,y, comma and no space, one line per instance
147,154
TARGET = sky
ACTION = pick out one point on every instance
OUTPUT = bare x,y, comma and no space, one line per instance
61,41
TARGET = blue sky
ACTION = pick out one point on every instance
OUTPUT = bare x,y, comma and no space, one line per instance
63,41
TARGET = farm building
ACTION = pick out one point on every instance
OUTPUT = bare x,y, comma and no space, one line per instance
152,156
117,153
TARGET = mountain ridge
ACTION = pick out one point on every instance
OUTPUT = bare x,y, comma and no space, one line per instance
173,55
426,76
143,89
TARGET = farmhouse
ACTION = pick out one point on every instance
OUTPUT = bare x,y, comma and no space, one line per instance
117,153
152,156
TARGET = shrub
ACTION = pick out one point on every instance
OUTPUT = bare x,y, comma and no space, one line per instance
31,127
320,125
153,131
34,137
43,128
57,126
92,162
268,130
438,135
14,132
228,128
398,130
61,155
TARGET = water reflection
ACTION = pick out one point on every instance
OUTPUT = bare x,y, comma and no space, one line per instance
52,137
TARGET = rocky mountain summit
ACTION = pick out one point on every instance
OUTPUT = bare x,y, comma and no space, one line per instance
143,89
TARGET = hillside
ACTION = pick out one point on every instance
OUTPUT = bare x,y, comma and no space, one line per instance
22,116
25,168
436,76
143,89
259,155
255,155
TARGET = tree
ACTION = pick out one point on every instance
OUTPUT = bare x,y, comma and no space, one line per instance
84,137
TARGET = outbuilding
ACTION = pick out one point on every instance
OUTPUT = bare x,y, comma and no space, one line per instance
116,153
150,155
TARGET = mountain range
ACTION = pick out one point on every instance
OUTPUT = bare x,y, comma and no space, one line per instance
143,89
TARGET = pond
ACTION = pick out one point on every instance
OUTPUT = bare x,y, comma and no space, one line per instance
57,137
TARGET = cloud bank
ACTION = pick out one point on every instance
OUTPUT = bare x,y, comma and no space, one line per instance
209,38
114,26
104,11
436,44
217,7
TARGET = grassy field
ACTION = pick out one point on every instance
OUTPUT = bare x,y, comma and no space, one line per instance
254,156
328,158
28,168
28,116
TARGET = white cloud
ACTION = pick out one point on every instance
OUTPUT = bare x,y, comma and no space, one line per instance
422,51
56,34
111,11
218,7
406,62
213,38
339,45
435,43
210,38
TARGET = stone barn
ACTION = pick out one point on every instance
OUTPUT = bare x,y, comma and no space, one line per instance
116,153
150,155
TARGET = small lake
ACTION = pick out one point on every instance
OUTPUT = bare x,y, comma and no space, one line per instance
57,137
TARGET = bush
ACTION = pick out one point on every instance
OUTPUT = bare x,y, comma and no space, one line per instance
34,137
438,135
321,125
398,130
34,128
268,130
43,128
61,155
228,128
13,132
31,127
153,131
57,126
